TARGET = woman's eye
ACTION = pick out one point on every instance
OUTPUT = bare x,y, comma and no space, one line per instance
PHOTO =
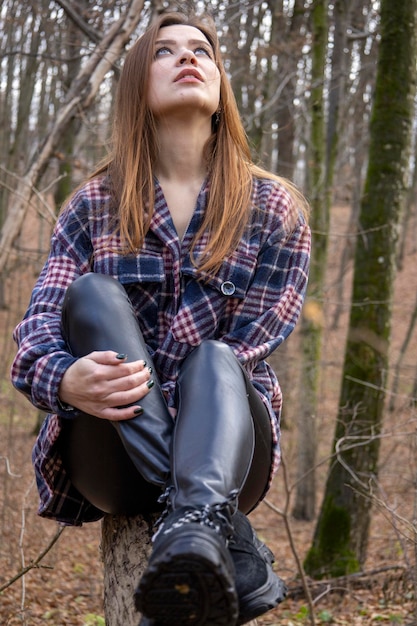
162,51
202,50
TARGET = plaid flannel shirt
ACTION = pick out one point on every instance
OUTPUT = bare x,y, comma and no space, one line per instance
252,304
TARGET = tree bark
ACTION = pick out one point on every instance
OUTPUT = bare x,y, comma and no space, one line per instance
125,546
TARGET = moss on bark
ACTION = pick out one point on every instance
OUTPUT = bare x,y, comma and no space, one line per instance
331,553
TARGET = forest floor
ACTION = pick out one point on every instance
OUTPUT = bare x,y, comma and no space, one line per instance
65,587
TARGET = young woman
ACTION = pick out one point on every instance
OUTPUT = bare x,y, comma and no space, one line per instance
174,272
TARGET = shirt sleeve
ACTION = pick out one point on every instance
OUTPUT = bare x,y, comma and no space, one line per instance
42,356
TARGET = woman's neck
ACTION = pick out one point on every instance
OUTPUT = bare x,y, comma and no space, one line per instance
181,153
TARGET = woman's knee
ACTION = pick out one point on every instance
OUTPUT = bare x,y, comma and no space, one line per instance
94,288
213,352
97,314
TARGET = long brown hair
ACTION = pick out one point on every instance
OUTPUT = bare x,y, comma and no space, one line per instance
135,149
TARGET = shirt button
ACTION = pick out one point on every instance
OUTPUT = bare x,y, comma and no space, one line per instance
228,288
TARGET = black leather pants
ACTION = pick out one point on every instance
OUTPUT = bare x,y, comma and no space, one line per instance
122,467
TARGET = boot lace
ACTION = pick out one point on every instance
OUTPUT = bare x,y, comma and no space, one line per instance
214,516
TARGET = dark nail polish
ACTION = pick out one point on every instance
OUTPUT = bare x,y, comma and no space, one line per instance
144,364
138,410
121,356
150,384
150,370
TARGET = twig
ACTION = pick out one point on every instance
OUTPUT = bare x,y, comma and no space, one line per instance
285,516
39,194
341,582
330,589
36,563
8,468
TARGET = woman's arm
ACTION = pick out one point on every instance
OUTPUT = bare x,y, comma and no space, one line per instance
271,306
42,356
43,369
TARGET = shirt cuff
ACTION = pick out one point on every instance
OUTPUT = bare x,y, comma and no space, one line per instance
68,408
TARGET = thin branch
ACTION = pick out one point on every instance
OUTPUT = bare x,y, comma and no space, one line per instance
285,516
344,582
8,469
78,21
36,563
34,191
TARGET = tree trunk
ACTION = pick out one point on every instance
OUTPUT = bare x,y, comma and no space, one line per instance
312,319
358,111
125,547
289,48
341,536
65,152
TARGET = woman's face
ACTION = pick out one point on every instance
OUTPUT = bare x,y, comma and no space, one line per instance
184,78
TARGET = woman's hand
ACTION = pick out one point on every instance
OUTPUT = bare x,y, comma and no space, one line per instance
100,382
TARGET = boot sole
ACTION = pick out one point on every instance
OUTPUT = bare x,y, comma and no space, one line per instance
263,599
188,582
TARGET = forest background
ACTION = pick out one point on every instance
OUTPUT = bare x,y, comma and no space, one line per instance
305,77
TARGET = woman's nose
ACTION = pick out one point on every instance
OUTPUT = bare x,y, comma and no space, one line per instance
188,56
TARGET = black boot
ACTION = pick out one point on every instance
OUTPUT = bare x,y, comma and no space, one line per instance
259,589
190,576
190,579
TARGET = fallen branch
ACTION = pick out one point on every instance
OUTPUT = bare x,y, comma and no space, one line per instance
343,583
